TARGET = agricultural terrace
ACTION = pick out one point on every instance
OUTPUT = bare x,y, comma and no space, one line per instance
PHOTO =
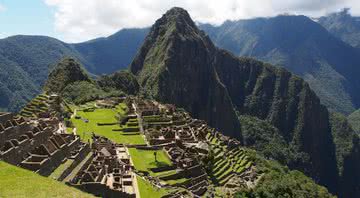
147,190
144,160
105,122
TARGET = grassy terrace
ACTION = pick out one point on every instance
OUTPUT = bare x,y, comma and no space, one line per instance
227,162
106,116
23,183
144,159
35,106
59,170
149,191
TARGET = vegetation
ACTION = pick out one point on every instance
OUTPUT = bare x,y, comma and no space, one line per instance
285,184
354,120
344,26
265,138
67,71
25,61
222,163
39,104
279,181
144,160
113,131
149,191
122,80
343,136
309,51
18,182
83,91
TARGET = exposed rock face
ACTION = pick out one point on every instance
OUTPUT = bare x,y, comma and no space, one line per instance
179,64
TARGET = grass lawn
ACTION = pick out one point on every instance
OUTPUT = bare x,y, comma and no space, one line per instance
144,159
59,170
149,191
18,182
176,181
104,116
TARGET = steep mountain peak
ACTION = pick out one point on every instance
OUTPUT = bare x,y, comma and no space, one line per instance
174,65
65,72
175,22
174,30
177,16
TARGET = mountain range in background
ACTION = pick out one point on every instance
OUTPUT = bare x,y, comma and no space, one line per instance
299,44
25,61
344,26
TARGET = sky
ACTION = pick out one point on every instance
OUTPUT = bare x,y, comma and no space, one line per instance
81,20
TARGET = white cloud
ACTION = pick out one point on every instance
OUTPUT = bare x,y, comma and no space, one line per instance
3,35
2,8
80,20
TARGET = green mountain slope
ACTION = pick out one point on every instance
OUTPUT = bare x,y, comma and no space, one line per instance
70,80
106,55
302,46
25,61
344,26
179,64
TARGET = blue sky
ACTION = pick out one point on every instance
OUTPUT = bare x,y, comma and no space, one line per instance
81,20
29,17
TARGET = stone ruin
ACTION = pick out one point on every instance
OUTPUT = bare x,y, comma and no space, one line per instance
37,145
108,172
186,141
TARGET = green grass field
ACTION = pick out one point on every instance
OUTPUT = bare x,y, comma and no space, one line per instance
104,116
59,170
144,159
149,191
18,182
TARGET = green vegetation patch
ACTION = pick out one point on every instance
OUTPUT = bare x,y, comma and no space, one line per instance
18,182
354,120
104,116
59,170
144,160
149,191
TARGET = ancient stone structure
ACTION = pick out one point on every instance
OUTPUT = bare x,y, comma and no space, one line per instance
36,145
108,173
187,141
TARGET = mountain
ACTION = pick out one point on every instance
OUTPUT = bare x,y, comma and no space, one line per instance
72,82
66,72
25,61
344,26
299,44
294,42
179,64
121,80
106,55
